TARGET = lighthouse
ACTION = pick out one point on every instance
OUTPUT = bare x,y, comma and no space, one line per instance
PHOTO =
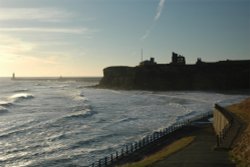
13,76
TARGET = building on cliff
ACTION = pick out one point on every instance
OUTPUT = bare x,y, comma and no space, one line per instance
148,62
178,59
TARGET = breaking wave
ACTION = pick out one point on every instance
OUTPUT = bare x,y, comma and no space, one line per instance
5,103
81,97
81,114
21,96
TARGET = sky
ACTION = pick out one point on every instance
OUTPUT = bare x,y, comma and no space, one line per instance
82,37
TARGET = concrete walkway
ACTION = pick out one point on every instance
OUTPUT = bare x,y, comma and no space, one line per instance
200,153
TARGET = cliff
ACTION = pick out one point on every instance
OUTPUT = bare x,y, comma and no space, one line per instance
223,75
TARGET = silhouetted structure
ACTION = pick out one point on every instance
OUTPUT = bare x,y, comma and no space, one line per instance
13,76
199,61
178,59
221,75
148,62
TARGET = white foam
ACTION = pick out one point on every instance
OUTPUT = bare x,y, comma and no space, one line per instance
20,96
81,114
5,103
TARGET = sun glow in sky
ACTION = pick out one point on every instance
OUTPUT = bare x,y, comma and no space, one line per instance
81,37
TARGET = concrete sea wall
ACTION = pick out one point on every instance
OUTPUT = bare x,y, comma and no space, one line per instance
220,121
227,127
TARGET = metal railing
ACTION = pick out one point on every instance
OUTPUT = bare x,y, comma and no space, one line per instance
128,149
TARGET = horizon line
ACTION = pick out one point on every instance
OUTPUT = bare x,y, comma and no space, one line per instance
60,76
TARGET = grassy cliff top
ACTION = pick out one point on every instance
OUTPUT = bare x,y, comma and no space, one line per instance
242,110
241,151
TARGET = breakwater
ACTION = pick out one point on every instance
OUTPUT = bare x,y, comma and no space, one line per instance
132,148
227,127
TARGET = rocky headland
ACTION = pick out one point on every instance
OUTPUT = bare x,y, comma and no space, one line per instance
221,75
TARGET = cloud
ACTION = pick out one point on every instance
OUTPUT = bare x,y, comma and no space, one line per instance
159,9
38,14
13,46
156,18
34,15
147,32
18,51
47,30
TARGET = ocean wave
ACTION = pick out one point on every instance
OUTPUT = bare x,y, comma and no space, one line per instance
12,133
82,143
31,147
80,108
79,158
57,137
186,116
62,86
17,129
59,161
80,114
5,103
176,105
81,97
125,120
22,156
21,96
3,110
20,90
96,140
80,87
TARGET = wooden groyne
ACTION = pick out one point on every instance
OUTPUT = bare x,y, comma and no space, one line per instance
132,148
227,127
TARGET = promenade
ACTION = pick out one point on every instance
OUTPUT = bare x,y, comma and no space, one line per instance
200,153
209,145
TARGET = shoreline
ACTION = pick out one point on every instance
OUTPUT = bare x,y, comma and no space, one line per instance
150,144
207,152
231,157
228,92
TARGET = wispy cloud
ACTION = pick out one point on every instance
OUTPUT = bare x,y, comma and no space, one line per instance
38,14
44,39
30,16
147,32
14,46
48,30
159,9
14,49
156,18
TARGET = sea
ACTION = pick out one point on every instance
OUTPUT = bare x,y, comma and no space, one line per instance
53,123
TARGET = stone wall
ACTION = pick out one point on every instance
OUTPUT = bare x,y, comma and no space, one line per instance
227,127
220,122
